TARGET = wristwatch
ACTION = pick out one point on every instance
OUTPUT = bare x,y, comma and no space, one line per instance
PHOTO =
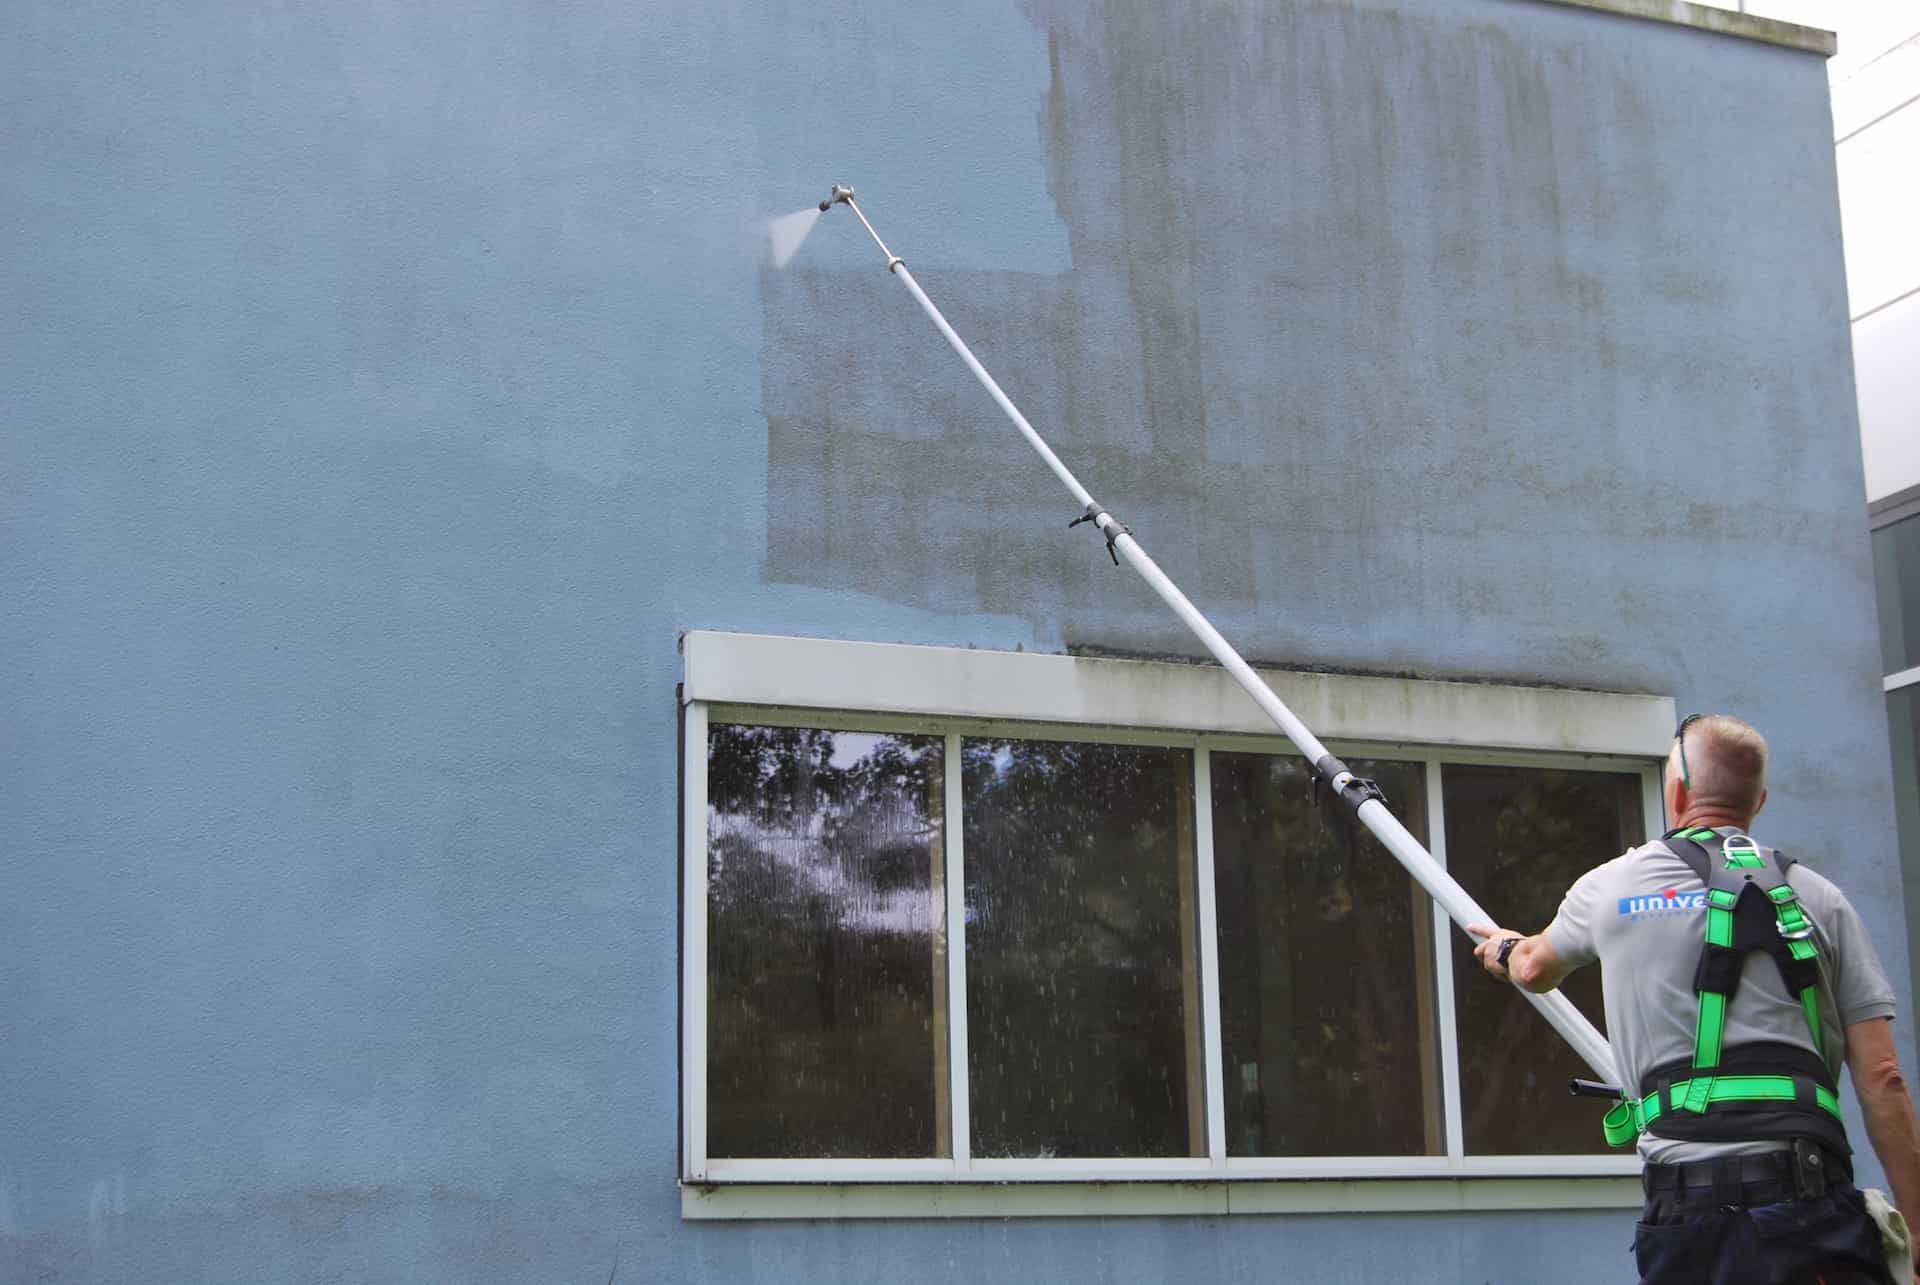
1506,948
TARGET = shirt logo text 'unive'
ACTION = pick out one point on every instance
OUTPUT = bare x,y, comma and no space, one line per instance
1670,902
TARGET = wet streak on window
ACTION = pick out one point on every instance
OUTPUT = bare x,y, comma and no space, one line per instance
1082,978
826,944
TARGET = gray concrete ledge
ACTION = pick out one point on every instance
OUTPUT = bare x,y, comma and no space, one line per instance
1154,1199
1723,22
962,683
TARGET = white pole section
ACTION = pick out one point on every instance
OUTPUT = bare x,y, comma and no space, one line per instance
1462,909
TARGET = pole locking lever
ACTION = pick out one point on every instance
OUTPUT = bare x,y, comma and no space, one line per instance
1114,528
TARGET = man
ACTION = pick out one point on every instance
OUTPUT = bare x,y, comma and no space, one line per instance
1735,983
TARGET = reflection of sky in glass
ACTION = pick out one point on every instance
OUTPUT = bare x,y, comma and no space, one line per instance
859,903
850,747
799,848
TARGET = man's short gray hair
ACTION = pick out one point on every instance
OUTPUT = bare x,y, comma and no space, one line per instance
1727,759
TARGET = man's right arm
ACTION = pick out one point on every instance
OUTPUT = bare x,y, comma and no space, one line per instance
1888,1109
1532,964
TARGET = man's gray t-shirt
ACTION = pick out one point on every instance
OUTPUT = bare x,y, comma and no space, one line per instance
1642,915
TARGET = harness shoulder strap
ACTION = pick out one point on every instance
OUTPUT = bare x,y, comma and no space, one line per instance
1689,846
1683,845
1750,906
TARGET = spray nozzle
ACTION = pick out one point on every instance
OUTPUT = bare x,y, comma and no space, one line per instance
840,192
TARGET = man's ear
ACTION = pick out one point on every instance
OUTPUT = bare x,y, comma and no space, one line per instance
1675,797
1763,801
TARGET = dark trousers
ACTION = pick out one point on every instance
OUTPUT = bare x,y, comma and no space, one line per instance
1762,1237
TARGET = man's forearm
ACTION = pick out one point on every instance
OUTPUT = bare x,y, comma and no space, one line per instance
1531,962
1895,1136
1535,967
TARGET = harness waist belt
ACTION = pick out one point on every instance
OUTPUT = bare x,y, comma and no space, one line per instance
1630,1118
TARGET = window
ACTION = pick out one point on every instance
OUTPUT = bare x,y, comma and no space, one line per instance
938,942
1327,1006
1895,523
826,974
1896,574
1083,1015
1517,837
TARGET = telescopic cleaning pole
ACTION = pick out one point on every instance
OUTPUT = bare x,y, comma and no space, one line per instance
1361,797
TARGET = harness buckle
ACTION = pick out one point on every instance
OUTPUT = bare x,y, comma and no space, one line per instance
1741,852
1791,921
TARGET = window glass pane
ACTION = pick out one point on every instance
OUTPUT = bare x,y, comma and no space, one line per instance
826,974
1083,1015
1896,574
1327,1019
1903,726
1516,839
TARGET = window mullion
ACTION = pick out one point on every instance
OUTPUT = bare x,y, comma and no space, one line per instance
1443,931
1653,804
693,926
956,901
1209,957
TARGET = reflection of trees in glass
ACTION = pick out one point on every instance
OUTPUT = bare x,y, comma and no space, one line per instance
1080,1034
1516,839
826,1000
1326,997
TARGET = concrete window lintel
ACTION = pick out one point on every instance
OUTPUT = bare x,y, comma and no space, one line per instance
887,678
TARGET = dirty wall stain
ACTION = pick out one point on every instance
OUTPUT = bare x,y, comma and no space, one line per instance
1352,290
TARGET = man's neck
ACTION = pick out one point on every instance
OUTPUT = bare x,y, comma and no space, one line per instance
1713,819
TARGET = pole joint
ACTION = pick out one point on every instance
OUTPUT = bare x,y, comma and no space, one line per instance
1338,780
1112,528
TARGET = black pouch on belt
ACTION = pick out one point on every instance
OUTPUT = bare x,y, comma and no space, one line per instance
1810,1175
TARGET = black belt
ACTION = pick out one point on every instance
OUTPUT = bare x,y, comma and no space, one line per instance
1801,1170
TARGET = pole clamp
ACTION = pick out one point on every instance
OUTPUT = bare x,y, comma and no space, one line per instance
1338,780
1112,530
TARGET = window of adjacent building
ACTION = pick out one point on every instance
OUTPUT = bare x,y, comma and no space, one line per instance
1903,725
965,946
1896,574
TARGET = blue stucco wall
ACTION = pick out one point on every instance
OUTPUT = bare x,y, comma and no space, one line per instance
387,386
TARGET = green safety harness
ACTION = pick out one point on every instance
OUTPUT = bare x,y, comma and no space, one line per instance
1754,1090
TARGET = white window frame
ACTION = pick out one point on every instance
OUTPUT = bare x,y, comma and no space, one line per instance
956,693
